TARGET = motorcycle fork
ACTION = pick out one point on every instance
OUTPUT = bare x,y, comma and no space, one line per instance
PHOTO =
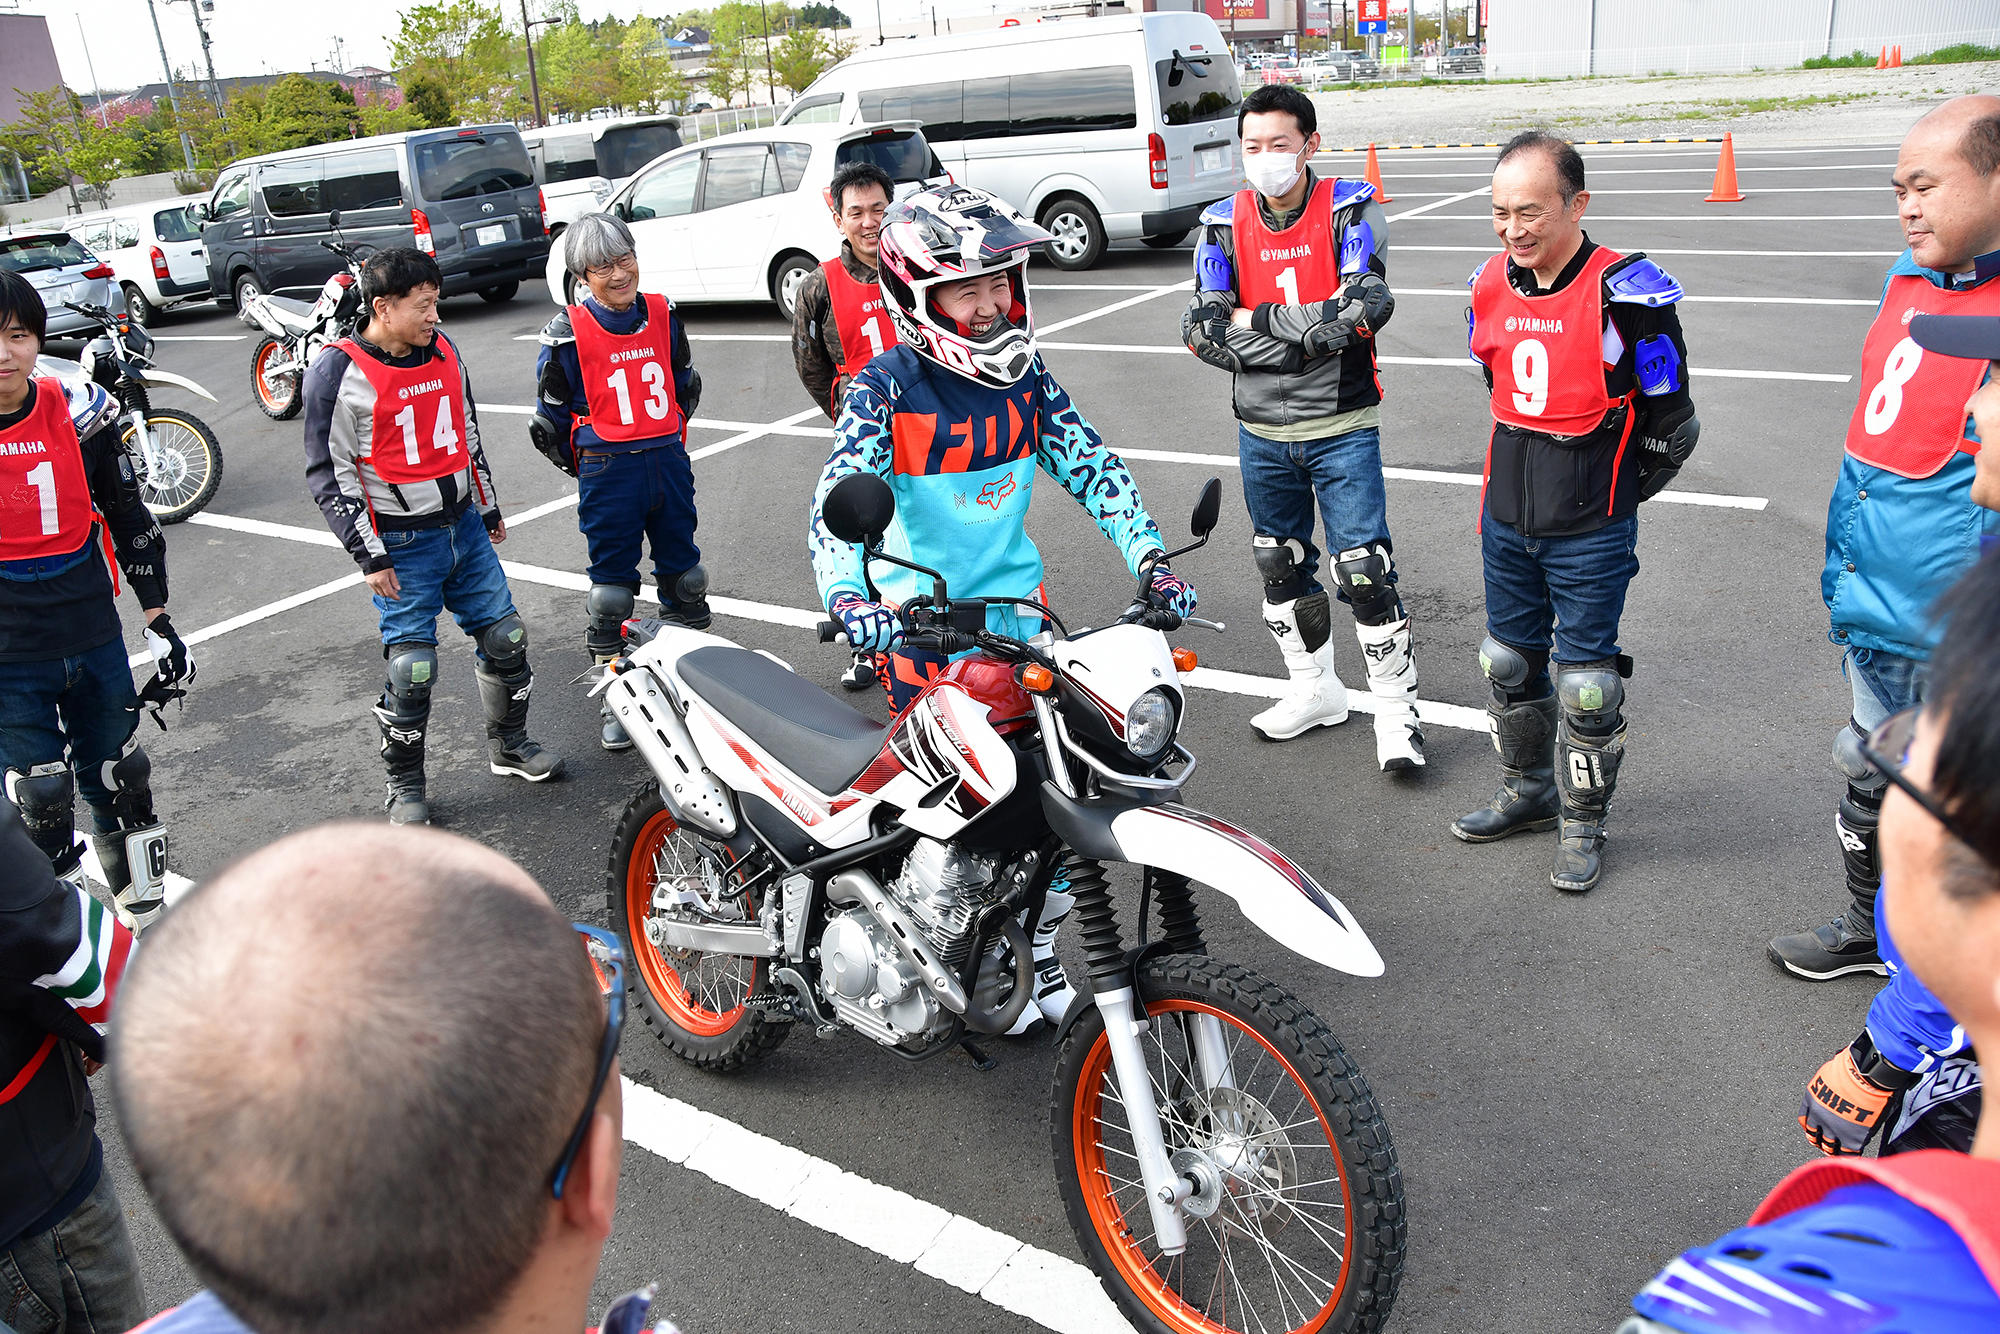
1180,933
142,440
1124,1026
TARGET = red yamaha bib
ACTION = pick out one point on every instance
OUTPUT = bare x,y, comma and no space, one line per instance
1911,417
1546,352
45,507
628,379
859,317
419,421
1293,266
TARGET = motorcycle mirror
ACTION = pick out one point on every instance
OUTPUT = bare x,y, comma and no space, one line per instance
333,218
1207,509
859,508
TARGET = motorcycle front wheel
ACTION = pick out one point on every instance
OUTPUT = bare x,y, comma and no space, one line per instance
1297,1220
186,466
278,395
694,1002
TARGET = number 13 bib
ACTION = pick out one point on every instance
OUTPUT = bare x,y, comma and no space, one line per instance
1911,417
419,418
628,379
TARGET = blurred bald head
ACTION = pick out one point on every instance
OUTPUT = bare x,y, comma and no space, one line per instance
346,1067
1947,183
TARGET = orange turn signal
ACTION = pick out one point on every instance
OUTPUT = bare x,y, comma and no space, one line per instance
1185,660
1037,679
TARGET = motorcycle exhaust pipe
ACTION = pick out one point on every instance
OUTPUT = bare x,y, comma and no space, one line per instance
695,795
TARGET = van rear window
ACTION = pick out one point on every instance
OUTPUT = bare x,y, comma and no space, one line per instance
1197,88
906,157
1058,102
622,151
460,168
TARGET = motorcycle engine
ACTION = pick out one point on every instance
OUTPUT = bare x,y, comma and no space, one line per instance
866,978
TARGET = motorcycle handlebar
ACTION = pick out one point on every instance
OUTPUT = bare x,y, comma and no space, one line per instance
832,632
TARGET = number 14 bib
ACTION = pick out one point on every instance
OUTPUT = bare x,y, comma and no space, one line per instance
419,417
1911,417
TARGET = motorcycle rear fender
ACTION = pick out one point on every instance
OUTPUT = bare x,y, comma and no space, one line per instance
694,794
154,379
1273,891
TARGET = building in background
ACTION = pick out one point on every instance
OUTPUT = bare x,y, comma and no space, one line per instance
1565,38
27,61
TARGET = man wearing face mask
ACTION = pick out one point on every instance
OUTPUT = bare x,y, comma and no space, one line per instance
1290,291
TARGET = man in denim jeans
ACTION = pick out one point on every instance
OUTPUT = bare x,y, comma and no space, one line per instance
394,460
1290,291
1591,415
1902,524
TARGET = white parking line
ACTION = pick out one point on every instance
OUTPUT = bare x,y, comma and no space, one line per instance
1884,216
1644,171
1175,349
1653,250
1461,294
199,338
749,429
1450,199
1116,306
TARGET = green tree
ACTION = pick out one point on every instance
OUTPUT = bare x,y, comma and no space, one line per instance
302,112
387,113
578,65
429,101
824,16
737,35
466,48
60,145
804,55
647,78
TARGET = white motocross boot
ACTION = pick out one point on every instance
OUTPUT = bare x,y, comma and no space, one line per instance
1392,679
1315,697
1053,993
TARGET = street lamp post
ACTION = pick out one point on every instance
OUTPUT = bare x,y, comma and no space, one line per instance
770,80
173,99
534,84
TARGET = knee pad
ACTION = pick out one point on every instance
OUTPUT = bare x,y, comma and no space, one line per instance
128,776
1506,666
1592,694
692,586
609,605
504,644
1861,775
1280,561
1367,579
46,797
412,672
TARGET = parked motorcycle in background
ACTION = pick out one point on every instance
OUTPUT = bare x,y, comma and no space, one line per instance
180,460
296,332
1222,1162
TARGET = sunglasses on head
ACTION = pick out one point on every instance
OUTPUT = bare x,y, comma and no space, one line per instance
607,961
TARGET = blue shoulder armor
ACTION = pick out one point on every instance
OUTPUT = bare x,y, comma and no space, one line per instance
1347,192
1222,211
1476,272
1357,245
1640,282
1859,1257
1212,270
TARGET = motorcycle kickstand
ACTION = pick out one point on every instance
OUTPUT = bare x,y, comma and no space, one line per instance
980,1060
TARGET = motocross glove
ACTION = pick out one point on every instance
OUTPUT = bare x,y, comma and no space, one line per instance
1171,591
1843,1106
173,667
871,627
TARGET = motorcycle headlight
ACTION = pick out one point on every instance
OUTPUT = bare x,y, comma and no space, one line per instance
1149,724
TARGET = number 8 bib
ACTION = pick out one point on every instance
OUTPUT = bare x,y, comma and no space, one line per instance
418,426
1911,415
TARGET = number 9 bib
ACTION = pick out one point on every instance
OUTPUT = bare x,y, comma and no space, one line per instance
1911,417
1546,352
418,428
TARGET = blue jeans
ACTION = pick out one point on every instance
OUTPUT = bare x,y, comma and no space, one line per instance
643,494
439,568
79,1277
82,709
1883,683
1569,591
1343,473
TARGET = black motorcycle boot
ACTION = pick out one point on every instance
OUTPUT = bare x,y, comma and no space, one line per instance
684,599
510,751
1525,735
1587,776
1846,944
403,757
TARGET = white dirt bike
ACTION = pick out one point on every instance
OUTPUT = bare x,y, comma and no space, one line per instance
1221,1160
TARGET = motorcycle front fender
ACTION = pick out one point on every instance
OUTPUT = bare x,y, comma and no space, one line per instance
153,379
1273,891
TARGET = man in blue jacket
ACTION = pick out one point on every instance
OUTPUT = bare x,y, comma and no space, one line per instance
1902,524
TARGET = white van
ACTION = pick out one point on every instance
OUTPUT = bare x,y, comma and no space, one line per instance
581,164
1102,129
154,251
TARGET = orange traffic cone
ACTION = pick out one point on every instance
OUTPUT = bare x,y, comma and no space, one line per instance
1882,61
1373,175
1725,191
1896,57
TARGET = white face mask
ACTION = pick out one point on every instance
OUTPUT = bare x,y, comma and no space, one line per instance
1272,174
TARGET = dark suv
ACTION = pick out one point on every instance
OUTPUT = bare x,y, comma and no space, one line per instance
466,195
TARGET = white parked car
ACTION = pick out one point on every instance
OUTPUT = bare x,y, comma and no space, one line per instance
744,217
154,251
581,165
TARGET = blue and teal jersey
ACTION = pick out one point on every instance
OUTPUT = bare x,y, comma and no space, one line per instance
961,459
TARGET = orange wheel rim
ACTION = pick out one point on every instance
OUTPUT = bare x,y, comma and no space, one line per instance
1123,1226
263,379
662,979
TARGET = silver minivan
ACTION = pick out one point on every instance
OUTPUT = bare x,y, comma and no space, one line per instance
1102,129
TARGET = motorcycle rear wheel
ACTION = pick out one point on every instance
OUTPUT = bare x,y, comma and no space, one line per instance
1304,1230
278,396
191,464
693,1001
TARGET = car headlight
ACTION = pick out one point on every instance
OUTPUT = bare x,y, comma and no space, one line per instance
1149,724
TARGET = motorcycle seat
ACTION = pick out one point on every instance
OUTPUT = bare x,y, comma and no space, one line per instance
292,314
799,725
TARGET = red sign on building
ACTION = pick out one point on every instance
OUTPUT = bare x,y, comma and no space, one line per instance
1373,11
1224,10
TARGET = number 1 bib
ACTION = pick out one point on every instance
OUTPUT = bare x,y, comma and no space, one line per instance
1293,266
45,507
1546,352
1911,417
418,430
859,317
628,379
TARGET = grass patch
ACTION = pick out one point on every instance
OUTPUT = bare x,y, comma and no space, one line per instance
1955,55
1855,60
1717,107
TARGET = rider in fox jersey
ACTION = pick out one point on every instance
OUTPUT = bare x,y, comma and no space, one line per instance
957,419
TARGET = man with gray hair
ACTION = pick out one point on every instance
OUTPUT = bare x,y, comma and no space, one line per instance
616,386
419,1132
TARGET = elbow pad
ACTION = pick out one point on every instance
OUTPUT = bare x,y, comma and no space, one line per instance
692,399
1367,300
550,444
1356,245
1656,363
1204,334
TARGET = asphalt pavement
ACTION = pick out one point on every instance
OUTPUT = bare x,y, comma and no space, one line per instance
1577,1088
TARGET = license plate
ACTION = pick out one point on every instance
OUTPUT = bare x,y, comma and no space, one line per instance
492,235
1213,159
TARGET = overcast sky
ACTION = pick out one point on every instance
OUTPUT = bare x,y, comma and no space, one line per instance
256,36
